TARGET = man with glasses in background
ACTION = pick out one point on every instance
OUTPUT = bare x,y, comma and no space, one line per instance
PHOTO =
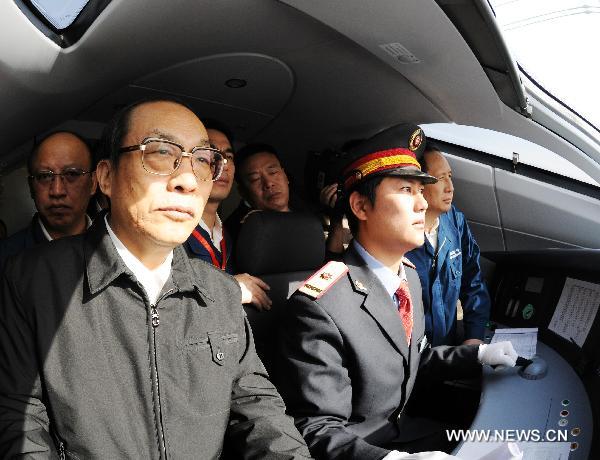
61,183
115,343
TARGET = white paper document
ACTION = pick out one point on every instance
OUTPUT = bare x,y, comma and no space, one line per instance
523,339
576,310
530,450
545,450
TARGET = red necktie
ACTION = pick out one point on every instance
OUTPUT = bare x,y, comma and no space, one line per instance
405,308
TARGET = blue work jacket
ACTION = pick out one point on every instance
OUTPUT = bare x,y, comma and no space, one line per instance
451,274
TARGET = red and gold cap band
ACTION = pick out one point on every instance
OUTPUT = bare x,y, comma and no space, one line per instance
377,162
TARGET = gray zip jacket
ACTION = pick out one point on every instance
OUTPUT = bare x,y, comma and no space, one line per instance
90,369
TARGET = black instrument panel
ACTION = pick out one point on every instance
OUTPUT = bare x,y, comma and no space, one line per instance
525,289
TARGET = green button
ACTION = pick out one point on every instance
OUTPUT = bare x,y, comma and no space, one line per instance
528,311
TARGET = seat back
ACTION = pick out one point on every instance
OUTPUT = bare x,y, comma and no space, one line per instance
283,249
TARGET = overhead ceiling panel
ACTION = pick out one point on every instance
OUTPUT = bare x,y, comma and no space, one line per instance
269,83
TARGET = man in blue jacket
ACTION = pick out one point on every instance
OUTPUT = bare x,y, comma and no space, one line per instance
448,263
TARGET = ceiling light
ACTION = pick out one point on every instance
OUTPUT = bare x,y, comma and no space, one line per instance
236,83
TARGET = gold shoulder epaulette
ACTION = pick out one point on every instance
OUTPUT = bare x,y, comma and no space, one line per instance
408,263
320,282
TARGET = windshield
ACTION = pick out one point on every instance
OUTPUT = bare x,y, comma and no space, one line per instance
60,13
555,42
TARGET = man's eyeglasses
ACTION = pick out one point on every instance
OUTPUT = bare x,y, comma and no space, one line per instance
163,157
69,176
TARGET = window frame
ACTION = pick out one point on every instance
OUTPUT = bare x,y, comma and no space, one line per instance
71,34
521,169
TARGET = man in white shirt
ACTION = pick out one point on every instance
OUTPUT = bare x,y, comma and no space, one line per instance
210,241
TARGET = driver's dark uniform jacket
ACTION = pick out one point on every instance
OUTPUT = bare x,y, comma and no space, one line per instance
347,369
90,369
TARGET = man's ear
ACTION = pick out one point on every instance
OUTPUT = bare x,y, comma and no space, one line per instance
94,183
104,175
359,205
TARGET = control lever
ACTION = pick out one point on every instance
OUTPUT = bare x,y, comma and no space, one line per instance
532,369
523,362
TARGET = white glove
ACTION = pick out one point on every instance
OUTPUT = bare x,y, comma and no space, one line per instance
508,451
497,354
396,455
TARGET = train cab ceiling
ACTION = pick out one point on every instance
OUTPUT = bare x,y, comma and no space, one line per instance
307,76
302,75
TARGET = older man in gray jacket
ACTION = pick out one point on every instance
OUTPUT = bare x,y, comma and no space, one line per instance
114,344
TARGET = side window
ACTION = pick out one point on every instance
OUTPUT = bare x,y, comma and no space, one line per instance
516,154
62,22
539,200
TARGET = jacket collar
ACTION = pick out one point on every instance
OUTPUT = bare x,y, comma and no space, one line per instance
188,277
376,302
446,237
36,229
104,265
196,247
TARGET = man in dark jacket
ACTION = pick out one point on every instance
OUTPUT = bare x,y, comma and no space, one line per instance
264,186
61,183
262,182
114,343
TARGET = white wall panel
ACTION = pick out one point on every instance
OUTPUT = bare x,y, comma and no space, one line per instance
535,208
474,190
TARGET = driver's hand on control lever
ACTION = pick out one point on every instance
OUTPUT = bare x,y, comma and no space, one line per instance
497,354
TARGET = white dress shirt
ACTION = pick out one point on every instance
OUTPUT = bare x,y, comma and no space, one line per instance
88,222
432,236
152,280
217,232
